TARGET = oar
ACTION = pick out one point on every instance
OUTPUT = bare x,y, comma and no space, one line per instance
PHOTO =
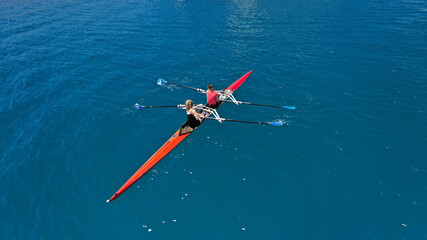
241,121
263,105
138,106
163,82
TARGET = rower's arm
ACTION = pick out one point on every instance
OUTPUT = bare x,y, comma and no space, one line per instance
196,114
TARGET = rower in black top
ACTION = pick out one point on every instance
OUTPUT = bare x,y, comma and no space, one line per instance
194,118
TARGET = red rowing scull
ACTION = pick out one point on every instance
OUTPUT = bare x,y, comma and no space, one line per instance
176,139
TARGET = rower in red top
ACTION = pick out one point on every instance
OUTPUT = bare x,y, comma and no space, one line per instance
212,97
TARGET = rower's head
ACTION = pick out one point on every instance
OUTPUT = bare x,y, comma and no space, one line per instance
210,87
189,104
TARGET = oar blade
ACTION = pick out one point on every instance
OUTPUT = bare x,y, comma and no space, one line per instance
289,107
138,106
276,124
161,82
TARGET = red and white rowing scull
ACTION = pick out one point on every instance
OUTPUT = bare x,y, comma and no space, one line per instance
176,139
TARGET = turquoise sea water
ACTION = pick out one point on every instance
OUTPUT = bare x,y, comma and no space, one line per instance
350,163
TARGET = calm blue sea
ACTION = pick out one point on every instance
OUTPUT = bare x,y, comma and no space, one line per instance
349,163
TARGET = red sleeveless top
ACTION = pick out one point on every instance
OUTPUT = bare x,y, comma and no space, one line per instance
212,96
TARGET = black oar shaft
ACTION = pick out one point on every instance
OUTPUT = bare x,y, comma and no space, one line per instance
179,85
263,105
241,121
166,106
139,106
255,104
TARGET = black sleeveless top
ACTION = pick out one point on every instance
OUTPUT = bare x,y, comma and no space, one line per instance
192,121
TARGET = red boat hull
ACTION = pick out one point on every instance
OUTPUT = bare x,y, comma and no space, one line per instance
176,139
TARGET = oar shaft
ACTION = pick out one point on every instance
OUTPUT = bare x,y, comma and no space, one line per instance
179,85
241,121
166,106
263,105
139,106
255,104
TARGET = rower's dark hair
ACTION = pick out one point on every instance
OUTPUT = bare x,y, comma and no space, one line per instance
210,87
